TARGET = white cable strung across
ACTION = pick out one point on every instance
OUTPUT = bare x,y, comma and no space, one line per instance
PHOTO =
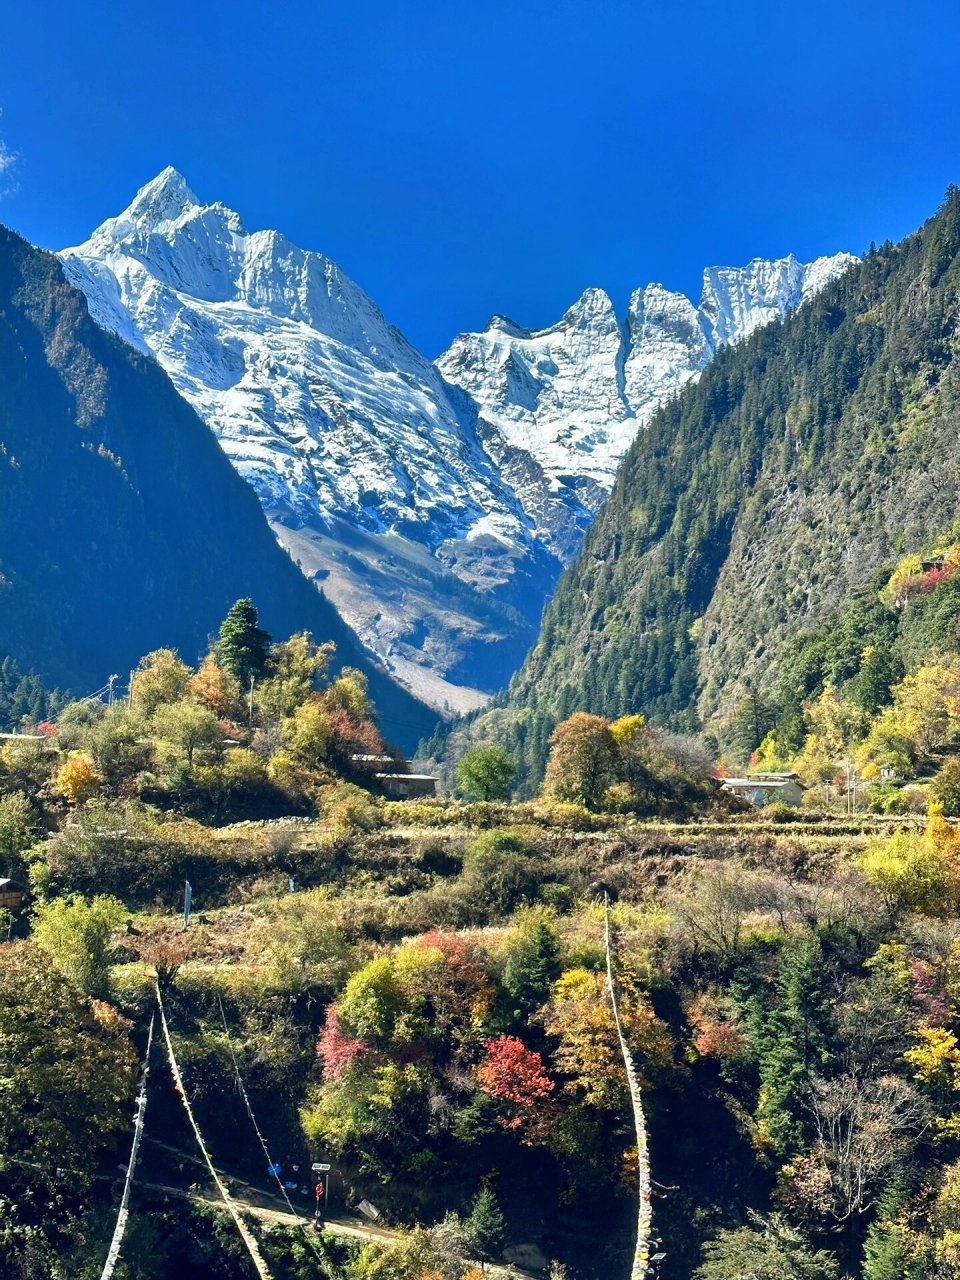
252,1247
96,695
272,1168
641,1257
114,1253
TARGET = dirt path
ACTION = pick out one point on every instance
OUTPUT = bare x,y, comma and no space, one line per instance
356,1229
271,1209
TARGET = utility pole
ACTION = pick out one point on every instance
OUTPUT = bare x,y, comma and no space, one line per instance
110,683
253,681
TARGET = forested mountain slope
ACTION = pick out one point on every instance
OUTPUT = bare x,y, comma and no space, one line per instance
802,461
122,525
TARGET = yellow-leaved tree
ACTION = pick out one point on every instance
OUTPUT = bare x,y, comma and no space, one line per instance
78,780
588,1053
928,705
916,870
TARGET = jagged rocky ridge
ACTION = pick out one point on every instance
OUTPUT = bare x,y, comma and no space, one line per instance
436,504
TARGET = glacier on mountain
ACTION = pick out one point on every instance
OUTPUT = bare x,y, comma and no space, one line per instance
434,503
575,394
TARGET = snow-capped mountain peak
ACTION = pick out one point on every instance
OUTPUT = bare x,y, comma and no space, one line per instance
735,301
435,503
161,200
575,393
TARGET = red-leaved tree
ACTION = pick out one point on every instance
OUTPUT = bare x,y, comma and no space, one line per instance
933,577
514,1074
335,1049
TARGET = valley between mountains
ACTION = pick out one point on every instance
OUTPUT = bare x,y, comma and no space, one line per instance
658,966
435,504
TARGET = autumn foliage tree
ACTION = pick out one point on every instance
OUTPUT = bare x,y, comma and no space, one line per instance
915,870
295,668
447,984
580,1017
335,1048
514,1075
161,678
584,759
213,687
78,780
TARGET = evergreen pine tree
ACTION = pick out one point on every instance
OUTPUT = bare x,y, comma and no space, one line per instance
485,1225
790,727
530,969
752,722
242,646
870,689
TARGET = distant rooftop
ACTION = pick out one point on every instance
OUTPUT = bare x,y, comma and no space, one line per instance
757,782
408,777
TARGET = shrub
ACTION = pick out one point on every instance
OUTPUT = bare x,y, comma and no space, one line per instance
946,787
349,808
497,875
779,812
76,936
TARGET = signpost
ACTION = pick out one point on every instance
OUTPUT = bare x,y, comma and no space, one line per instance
322,1191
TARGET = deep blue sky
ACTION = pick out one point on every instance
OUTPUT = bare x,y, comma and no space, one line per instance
460,159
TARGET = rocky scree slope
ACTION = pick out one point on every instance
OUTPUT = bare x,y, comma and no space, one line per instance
123,527
435,504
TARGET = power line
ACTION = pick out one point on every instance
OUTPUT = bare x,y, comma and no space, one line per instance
271,1167
252,1247
114,1251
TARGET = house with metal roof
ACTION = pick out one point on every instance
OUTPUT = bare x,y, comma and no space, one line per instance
766,788
407,786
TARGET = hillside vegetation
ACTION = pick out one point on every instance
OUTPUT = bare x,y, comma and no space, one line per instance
755,505
416,994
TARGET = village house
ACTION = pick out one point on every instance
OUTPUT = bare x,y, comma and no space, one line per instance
766,788
12,895
396,783
407,786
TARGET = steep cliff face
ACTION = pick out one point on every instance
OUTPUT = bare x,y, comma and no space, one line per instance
122,525
757,501
436,504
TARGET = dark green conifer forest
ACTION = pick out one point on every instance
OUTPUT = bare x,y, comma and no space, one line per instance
756,505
